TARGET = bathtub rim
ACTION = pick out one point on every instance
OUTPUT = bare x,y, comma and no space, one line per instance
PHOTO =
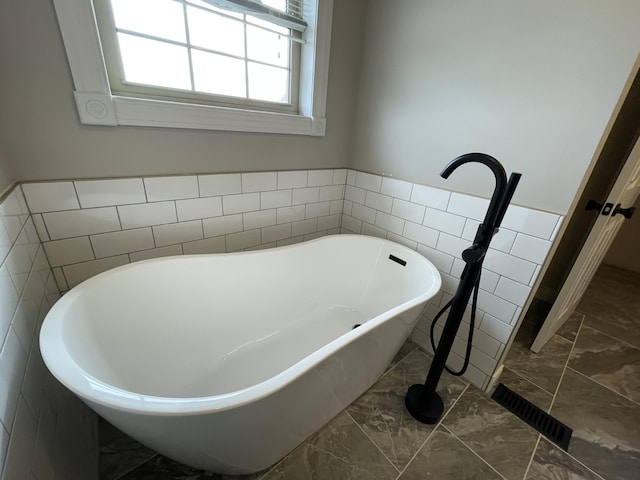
68,372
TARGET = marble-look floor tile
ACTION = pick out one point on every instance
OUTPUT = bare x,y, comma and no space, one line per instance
503,440
570,327
526,389
407,347
606,426
612,304
551,463
163,468
608,361
443,456
383,416
119,453
543,369
338,451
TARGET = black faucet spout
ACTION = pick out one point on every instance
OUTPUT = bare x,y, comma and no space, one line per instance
493,214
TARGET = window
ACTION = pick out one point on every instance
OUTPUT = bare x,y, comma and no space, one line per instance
239,65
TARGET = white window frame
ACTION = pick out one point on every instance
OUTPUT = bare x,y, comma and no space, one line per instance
98,106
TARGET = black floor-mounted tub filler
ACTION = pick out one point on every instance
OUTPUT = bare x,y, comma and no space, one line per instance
422,401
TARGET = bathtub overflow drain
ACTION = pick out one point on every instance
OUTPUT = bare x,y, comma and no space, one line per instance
356,326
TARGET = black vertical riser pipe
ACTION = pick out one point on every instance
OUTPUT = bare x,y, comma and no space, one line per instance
422,401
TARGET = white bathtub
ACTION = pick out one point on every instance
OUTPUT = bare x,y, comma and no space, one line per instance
228,362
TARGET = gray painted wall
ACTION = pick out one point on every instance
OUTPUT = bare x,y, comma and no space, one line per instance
6,172
42,135
531,83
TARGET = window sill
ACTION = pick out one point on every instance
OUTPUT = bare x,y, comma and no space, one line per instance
105,109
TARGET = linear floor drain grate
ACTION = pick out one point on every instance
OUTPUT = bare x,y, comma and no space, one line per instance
551,428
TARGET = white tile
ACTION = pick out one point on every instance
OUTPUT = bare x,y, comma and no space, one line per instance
75,223
431,197
290,214
147,214
402,241
509,266
79,272
379,202
529,221
535,276
306,195
486,343
421,234
407,210
50,196
220,184
67,251
340,176
44,461
314,235
275,199
317,178
4,444
173,233
214,227
8,301
368,181
259,182
557,229
503,240
290,241
332,192
246,202
125,241
337,207
329,222
38,221
18,264
452,245
513,292
61,281
171,188
449,283
156,253
6,241
34,380
297,179
275,233
351,177
22,444
304,227
242,240
390,223
13,363
314,210
351,224
442,261
531,248
468,206
197,208
396,188
207,245
443,221
355,194
373,231
496,328
495,306
104,193
347,207
262,218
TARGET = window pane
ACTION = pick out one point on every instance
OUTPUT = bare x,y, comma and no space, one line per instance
154,63
267,47
226,11
160,18
218,74
268,24
215,32
268,83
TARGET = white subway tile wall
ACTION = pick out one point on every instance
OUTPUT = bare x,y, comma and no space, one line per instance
440,225
36,412
94,225
89,226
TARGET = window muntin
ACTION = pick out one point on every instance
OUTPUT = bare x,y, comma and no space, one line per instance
191,51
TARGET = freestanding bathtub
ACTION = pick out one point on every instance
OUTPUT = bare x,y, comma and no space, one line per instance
227,362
